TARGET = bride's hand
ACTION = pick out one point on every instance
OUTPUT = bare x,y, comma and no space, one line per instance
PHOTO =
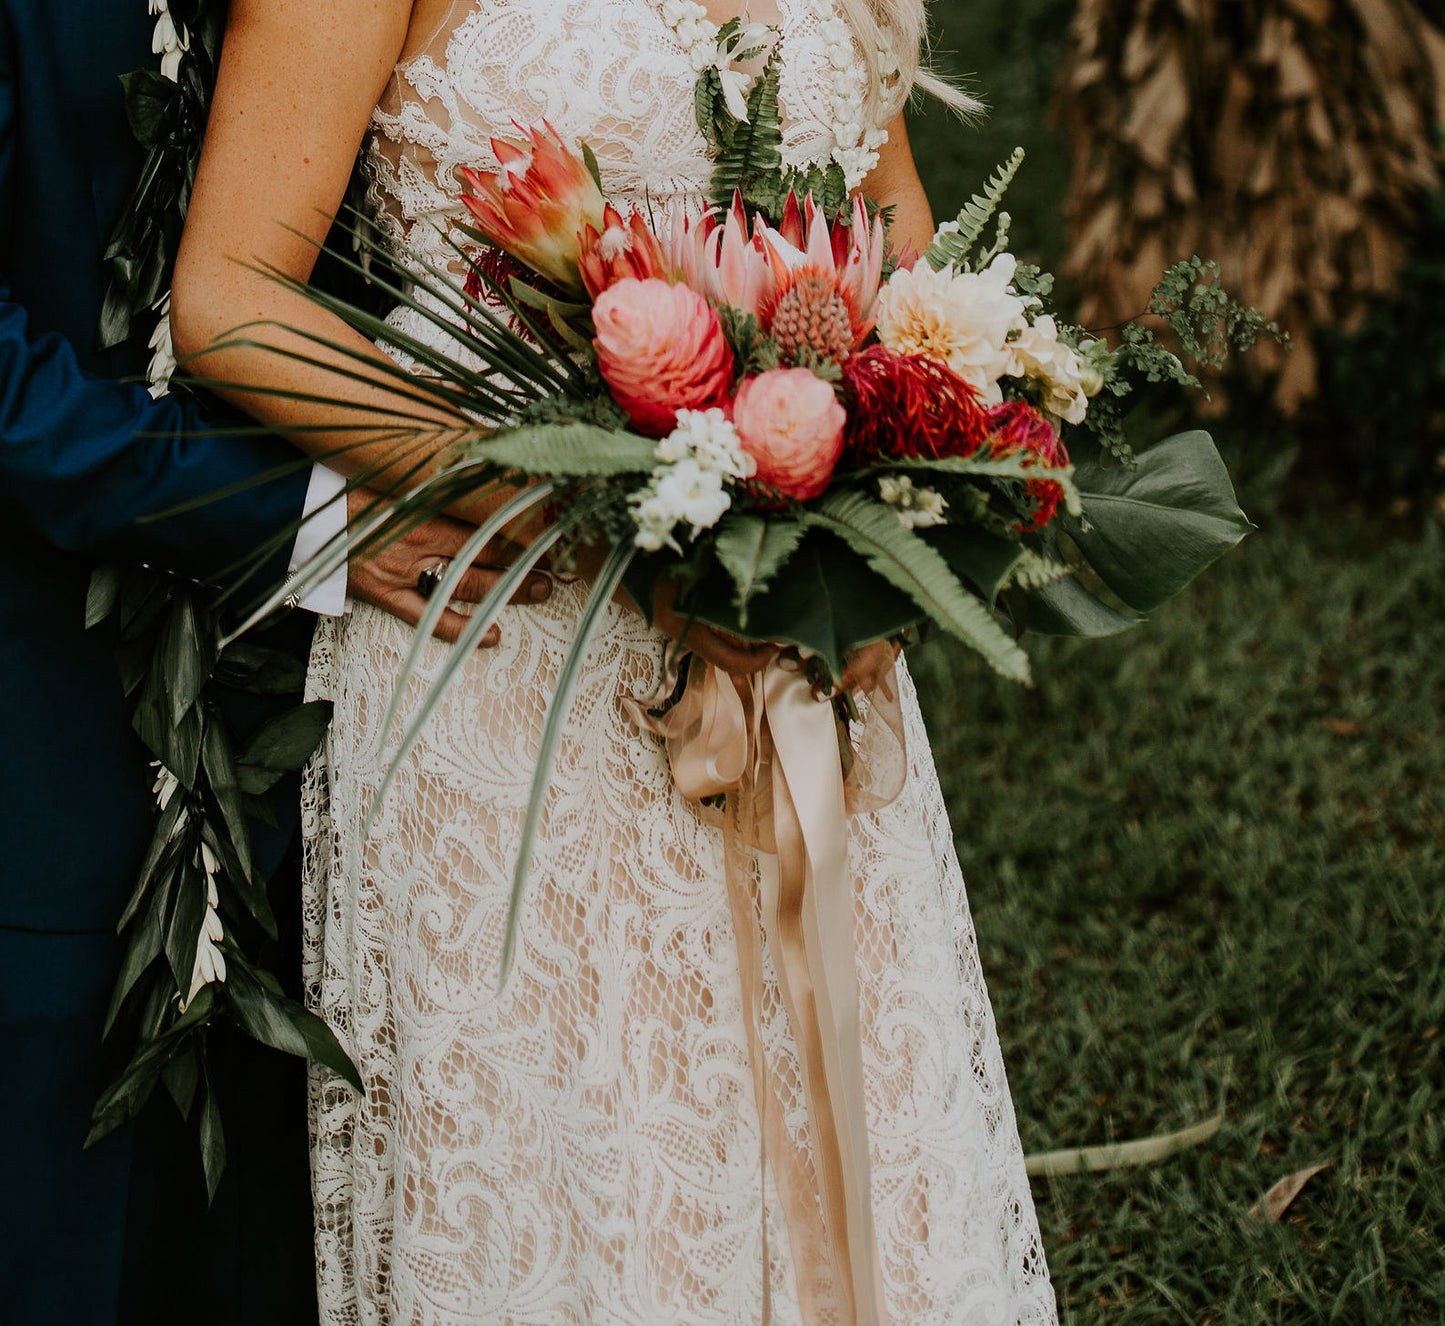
866,669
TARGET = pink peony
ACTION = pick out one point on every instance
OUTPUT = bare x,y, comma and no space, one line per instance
660,349
790,422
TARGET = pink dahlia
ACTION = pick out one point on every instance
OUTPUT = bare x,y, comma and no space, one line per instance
660,349
790,422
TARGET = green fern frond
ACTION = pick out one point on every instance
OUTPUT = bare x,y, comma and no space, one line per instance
752,550
903,559
953,246
1035,571
575,450
754,153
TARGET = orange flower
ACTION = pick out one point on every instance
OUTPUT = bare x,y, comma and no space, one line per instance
621,249
537,204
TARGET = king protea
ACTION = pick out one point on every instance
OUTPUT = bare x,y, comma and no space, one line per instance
810,284
537,204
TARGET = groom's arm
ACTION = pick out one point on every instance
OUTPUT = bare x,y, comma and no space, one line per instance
84,458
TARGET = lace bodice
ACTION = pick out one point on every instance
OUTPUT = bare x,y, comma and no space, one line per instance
499,63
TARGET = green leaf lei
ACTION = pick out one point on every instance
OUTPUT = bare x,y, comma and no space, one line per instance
198,930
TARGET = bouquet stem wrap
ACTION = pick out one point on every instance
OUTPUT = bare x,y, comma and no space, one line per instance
771,749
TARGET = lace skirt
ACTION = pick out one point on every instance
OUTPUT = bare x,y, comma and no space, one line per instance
581,1144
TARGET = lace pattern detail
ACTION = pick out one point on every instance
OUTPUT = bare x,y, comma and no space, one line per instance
582,1144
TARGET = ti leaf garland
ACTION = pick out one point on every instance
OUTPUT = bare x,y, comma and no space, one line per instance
199,899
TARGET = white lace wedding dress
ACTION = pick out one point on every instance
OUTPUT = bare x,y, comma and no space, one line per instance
581,1146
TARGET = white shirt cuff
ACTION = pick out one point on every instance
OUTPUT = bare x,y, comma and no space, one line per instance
323,517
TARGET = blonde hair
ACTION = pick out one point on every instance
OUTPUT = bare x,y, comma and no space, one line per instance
900,27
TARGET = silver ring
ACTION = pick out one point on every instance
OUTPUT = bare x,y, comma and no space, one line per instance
428,580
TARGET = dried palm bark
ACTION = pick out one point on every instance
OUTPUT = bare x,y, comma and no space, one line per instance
1291,140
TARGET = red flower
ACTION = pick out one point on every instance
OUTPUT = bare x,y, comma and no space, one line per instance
905,406
491,268
1018,427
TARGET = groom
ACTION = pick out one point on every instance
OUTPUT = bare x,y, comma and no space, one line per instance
95,1238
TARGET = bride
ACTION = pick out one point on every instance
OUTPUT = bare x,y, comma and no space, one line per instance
584,1143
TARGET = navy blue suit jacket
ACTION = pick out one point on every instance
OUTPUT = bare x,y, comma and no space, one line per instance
74,809
74,474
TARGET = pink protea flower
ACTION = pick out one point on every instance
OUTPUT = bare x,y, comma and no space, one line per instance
537,204
790,422
660,349
850,256
811,318
621,249
746,264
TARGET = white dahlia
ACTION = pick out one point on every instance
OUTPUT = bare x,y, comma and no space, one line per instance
963,319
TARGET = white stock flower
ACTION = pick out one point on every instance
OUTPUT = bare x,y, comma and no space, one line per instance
708,437
1041,356
692,494
916,508
963,319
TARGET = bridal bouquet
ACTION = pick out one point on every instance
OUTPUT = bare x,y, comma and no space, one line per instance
765,414
768,416
819,441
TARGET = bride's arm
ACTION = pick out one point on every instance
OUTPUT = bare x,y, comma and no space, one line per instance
297,86
894,182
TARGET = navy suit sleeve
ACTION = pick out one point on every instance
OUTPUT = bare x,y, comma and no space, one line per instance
83,458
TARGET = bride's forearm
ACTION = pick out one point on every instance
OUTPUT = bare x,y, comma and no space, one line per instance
292,104
262,347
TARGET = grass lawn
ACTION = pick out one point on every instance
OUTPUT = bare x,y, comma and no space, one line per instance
1207,865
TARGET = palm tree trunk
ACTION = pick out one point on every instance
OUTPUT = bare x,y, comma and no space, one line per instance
1292,140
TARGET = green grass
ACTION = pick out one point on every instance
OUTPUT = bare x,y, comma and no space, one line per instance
1207,864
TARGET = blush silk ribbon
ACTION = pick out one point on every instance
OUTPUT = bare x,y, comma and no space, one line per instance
772,751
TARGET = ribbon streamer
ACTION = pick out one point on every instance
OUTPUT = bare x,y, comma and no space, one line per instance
766,745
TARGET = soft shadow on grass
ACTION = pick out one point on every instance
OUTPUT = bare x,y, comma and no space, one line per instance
1207,863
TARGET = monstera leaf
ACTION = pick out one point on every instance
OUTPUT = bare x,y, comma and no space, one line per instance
1148,531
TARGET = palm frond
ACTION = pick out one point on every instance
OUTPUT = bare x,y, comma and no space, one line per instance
481,622
552,726
519,505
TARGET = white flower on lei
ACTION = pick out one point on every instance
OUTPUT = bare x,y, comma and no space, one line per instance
170,40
